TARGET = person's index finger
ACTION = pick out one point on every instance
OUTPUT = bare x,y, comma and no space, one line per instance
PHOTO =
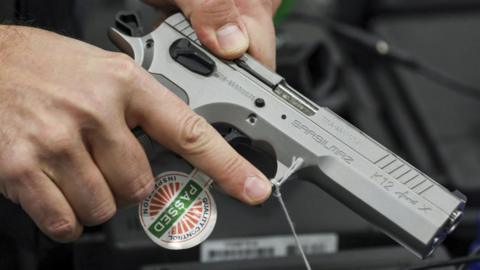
168,120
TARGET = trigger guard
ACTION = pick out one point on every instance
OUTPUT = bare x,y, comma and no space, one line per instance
256,152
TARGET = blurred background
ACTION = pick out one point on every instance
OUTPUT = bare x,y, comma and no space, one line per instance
326,49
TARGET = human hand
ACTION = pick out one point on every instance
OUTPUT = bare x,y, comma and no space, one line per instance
231,27
67,154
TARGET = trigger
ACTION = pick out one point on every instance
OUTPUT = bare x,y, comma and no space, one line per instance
256,154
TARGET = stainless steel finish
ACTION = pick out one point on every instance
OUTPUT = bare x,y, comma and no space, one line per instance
381,187
289,95
272,77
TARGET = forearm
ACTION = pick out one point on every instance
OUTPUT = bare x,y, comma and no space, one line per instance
9,34
5,36
4,33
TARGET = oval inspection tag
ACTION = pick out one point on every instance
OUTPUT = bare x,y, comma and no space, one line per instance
180,213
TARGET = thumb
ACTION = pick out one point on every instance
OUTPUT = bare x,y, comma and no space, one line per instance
218,26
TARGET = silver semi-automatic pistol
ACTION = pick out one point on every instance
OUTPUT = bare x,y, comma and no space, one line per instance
378,185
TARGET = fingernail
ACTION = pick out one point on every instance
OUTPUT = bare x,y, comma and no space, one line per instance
231,38
256,189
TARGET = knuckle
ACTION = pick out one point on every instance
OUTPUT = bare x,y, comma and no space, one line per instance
139,189
88,110
123,68
19,172
194,135
101,213
100,206
9,192
218,9
63,230
59,141
230,167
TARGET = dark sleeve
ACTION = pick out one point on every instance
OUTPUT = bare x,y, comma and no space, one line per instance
53,15
7,11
